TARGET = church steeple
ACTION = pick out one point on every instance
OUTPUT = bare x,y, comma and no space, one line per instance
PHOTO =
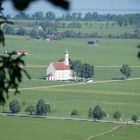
66,57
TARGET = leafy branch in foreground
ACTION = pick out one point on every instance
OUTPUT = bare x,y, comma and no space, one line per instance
23,4
3,20
11,70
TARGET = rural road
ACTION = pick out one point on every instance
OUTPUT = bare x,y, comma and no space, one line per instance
75,84
72,118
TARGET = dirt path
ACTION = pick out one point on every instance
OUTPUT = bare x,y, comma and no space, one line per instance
103,133
74,84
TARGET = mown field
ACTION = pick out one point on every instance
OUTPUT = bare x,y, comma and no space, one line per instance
15,128
107,58
34,129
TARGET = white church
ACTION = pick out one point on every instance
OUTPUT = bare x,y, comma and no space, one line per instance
59,70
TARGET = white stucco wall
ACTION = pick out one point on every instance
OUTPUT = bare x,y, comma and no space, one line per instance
51,69
63,75
59,74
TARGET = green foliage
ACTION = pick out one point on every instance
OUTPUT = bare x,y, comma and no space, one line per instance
48,106
126,70
39,15
90,113
41,108
11,75
135,118
98,113
3,20
87,71
21,31
8,29
50,15
80,70
117,115
30,109
14,106
76,66
74,112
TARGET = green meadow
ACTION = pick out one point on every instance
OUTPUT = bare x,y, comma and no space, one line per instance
107,57
34,129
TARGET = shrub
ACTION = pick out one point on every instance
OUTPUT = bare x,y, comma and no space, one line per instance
90,113
14,106
134,118
41,108
48,106
30,109
117,115
98,113
74,112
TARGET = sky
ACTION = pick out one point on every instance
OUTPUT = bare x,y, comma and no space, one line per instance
77,5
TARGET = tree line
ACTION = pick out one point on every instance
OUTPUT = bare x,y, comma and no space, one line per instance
42,109
40,30
121,20
51,24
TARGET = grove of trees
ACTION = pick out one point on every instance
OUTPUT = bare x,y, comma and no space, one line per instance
82,71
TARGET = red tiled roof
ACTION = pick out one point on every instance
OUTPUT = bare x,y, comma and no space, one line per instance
22,51
60,66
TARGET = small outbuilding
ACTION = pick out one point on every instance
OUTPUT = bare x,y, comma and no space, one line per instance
51,37
93,42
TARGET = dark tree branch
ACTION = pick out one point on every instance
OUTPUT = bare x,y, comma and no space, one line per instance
10,75
23,4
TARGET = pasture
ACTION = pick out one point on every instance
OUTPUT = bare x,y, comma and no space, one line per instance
111,96
15,128
34,129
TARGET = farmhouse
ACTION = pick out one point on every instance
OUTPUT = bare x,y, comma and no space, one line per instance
22,52
59,70
51,37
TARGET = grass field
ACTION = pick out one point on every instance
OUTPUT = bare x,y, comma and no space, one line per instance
107,58
48,129
33,128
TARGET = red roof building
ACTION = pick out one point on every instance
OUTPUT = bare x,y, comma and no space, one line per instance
59,70
60,66
22,52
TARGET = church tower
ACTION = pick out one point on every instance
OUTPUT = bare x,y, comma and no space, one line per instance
66,57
